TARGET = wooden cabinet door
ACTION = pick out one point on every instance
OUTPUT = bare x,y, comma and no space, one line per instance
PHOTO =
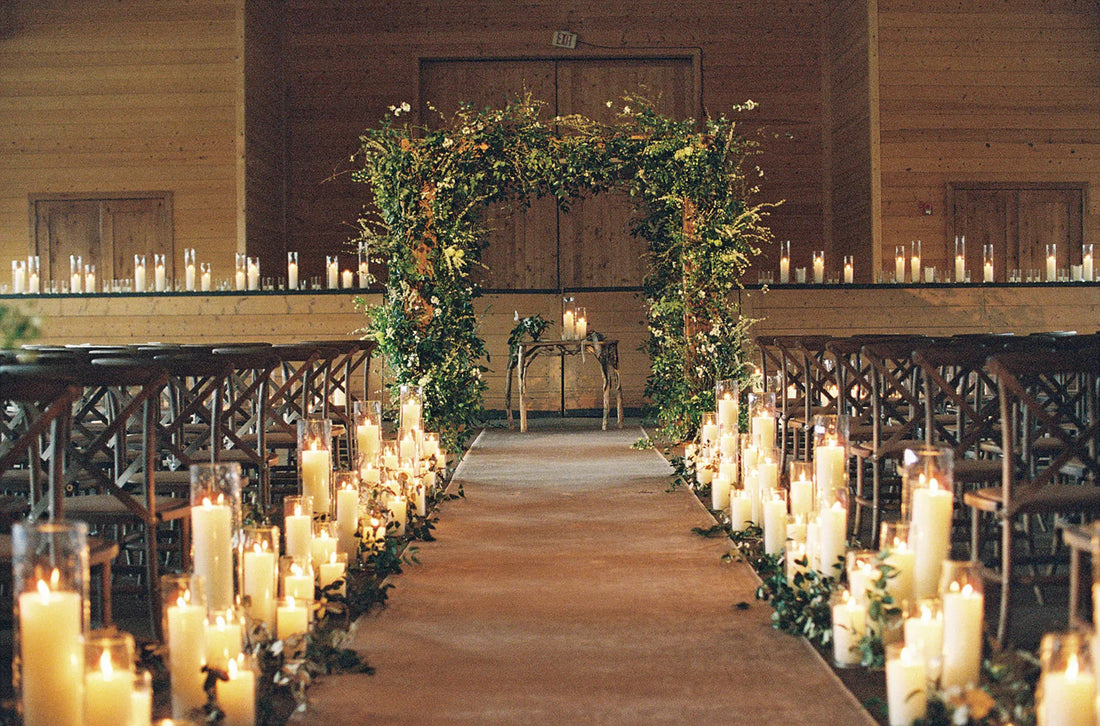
63,228
136,227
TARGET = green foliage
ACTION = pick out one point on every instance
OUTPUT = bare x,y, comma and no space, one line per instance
800,605
16,328
882,613
532,326
1006,696
430,189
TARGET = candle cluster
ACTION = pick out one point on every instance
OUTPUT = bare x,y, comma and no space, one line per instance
818,269
574,320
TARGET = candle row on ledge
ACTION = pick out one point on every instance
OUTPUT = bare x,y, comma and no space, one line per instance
26,276
909,267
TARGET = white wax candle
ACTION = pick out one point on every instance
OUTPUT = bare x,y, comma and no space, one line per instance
299,583
580,328
107,695
52,657
19,279
800,275
900,586
406,448
240,281
960,268
708,434
906,688
292,275
291,619
775,525
420,493
929,537
813,543
924,633
347,280
802,496
914,269
34,284
347,521
316,472
324,546
860,580
832,526
75,283
1076,273
1068,697
364,274
253,273
819,269
207,282
784,270
212,551
849,620
299,535
429,447
727,412
930,273
223,641
139,278
568,327
849,273
410,414
189,277
369,440
370,474
795,553
160,278
987,272
727,447
186,652
389,460
720,492
752,492
397,507
141,706
1052,269
899,268
763,432
1086,267
332,571
962,637
332,274
237,696
259,569
830,466
740,510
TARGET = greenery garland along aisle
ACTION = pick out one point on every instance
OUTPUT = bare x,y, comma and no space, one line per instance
430,187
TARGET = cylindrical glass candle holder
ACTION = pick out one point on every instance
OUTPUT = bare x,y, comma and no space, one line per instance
1088,270
292,270
50,584
849,623
298,526
819,267
396,504
297,578
76,274
580,323
960,259
762,418
240,271
897,553
315,463
236,695
368,429
568,319
18,276
332,272
224,637
906,684
775,520
259,575
364,264
408,448
323,545
708,431
785,262
108,678
216,528
141,707
1051,272
914,261
923,631
206,279
962,595
987,263
291,618
183,599
830,456
429,447
1066,693
140,280
346,485
849,269
252,272
861,569
160,273
927,503
91,283
727,393
190,271
801,487
411,407
34,274
899,264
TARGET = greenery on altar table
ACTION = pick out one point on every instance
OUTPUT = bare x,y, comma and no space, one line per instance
694,187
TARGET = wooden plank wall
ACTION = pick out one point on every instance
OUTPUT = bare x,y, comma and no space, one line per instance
347,62
105,96
984,90
847,138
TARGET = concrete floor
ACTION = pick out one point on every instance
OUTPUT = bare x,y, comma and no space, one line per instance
568,588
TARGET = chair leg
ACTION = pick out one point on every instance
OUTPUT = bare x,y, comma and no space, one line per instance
1006,580
152,579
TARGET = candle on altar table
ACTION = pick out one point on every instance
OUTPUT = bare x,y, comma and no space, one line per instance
299,534
223,639
1087,270
962,636
740,510
775,522
52,655
960,268
720,491
849,271
906,687
298,582
830,466
324,546
332,571
1068,696
930,273
253,273
240,280
237,696
291,618
914,268
160,276
207,280
580,327
819,268
347,280
18,277
139,277
186,652
568,325
259,567
849,619
292,275
1052,264
784,270
108,699
368,437
802,495
347,520
212,550
76,281
924,633
364,274
832,524
902,558
930,536
316,472
727,412
800,275
987,271
763,431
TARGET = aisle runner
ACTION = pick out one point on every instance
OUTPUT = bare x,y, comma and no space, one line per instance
568,588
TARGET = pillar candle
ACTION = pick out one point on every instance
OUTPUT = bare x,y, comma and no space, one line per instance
299,535
763,432
727,447
906,687
901,558
1068,697
316,472
580,328
324,546
189,277
720,492
364,274
568,327
962,637
784,270
410,414
914,269
212,551
795,553
298,583
186,652
1052,268
832,525
75,282
397,506
240,280
899,268
960,268
819,268
141,701
291,618
253,273
207,281
830,466
369,440
370,475
930,537
849,619
292,275
223,639
332,571
924,633
802,496
775,524
346,279
1086,265
752,494
740,510
237,696
139,278
987,272
332,274
347,520
727,413
420,493
813,543
160,278
18,277
708,433
258,583
52,657
107,695
849,272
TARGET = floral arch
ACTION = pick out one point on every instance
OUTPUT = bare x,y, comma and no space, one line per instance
692,190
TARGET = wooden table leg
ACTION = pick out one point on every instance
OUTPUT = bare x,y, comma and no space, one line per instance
522,369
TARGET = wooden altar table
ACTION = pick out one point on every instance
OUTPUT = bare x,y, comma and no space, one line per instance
605,352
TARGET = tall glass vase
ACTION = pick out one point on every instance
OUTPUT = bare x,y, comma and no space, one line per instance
216,529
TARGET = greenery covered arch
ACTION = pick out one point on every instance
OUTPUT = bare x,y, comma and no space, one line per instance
692,190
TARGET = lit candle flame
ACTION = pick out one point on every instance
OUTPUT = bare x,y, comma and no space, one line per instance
105,666
55,578
231,668
1071,666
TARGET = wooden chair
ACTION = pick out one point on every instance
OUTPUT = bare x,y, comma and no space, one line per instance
1048,397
